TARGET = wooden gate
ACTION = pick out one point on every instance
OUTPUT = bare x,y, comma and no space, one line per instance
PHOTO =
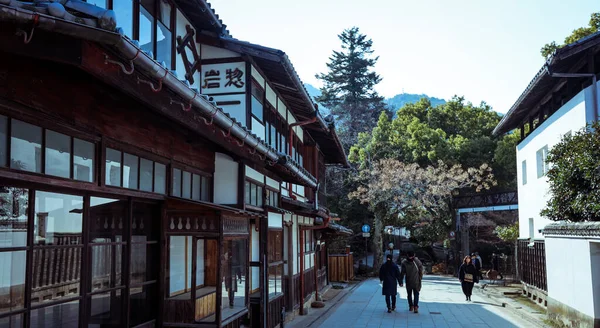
341,267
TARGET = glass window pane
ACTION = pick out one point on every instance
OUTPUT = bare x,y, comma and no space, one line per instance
3,140
58,154
107,217
144,266
176,183
164,44
124,11
83,160
257,108
165,12
58,219
160,174
275,275
205,194
14,321
130,171
180,266
98,3
259,196
146,174
247,192
253,194
143,305
187,185
200,265
196,182
258,129
105,274
234,282
146,31
60,315
113,167
26,147
12,280
13,217
105,309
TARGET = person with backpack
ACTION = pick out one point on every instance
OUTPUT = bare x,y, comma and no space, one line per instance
389,275
412,269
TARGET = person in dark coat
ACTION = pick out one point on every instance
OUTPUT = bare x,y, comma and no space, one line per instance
467,274
495,262
412,269
389,275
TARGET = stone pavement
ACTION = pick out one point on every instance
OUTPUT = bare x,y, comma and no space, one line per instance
442,304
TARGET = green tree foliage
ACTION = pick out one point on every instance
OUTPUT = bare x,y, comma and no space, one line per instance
348,89
574,177
593,26
456,133
509,234
441,137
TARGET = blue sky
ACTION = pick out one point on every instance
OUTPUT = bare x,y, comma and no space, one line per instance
481,49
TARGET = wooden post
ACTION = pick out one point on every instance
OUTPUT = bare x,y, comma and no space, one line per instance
301,270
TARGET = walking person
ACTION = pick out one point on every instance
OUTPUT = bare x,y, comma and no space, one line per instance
476,263
467,274
389,275
412,269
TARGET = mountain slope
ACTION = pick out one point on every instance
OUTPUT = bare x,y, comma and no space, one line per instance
393,103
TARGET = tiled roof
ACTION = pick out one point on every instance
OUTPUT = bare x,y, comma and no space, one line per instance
580,229
76,11
561,61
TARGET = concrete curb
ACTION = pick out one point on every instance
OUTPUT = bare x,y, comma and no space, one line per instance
502,301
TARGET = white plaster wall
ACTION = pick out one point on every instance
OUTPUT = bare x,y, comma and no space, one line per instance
210,52
238,110
595,268
272,183
271,96
295,249
570,273
226,173
275,220
179,66
258,77
285,250
255,257
254,174
281,108
533,196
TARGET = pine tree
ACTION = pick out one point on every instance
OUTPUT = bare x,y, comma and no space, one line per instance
348,89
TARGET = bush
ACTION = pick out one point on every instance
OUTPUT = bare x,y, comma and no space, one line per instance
574,177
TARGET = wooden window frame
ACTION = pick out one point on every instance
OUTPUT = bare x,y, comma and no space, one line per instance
140,155
202,174
254,183
66,132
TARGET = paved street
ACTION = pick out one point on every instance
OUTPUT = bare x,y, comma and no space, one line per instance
442,304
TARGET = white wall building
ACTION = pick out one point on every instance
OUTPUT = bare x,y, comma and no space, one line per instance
561,270
531,156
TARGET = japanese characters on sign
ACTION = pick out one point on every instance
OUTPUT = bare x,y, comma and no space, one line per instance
223,78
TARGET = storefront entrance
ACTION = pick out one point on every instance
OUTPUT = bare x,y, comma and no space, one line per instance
77,260
206,265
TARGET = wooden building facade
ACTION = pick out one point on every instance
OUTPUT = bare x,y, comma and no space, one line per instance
154,171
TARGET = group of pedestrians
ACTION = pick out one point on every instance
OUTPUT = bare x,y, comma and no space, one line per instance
392,276
411,271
